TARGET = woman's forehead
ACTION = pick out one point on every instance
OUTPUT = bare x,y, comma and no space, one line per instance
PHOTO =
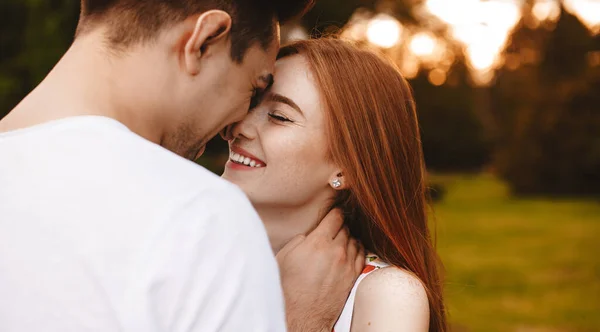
294,79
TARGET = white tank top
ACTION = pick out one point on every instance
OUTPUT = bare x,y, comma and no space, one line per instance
372,263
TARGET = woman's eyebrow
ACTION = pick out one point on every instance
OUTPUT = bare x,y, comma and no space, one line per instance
275,97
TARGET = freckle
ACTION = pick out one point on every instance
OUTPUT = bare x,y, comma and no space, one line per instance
369,324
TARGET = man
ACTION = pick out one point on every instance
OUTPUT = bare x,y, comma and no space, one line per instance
105,229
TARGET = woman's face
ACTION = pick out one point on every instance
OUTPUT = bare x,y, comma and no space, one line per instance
278,154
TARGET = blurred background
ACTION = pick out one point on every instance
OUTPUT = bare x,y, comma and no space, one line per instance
508,94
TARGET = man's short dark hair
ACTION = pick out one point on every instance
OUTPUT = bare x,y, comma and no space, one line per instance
134,21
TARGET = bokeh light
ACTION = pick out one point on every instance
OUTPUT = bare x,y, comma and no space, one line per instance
356,29
384,31
422,44
437,77
546,10
481,57
483,27
409,66
588,11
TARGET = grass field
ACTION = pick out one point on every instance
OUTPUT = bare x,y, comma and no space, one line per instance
518,264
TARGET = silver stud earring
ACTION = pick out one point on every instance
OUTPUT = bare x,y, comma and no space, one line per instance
336,183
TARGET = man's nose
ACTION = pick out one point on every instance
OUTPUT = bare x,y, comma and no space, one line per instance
227,132
247,128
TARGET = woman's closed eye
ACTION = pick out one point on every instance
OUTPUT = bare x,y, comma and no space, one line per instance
279,118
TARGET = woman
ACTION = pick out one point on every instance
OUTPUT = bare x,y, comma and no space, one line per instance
338,128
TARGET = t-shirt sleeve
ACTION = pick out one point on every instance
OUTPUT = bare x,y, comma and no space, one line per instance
216,270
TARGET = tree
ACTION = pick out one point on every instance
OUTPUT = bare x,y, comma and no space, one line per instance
33,36
453,136
549,111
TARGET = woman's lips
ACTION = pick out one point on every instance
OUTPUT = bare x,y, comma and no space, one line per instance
245,158
240,167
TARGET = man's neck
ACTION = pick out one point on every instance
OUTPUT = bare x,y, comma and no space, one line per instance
284,223
87,81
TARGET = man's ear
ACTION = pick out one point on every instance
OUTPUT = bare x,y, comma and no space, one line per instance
212,26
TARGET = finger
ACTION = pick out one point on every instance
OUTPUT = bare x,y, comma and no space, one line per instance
360,259
330,225
352,250
294,242
341,242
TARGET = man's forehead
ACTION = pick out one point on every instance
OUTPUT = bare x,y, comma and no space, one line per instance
261,62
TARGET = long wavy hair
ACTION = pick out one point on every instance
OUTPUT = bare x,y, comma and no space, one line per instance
373,134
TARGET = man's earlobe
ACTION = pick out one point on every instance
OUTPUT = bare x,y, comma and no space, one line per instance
211,27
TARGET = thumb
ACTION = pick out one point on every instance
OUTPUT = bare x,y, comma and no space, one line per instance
296,241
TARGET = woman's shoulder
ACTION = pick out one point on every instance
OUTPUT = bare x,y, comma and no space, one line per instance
393,281
379,275
391,297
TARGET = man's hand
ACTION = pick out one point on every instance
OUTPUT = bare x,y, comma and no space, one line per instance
317,273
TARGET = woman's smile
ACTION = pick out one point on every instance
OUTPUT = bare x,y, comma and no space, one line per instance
240,159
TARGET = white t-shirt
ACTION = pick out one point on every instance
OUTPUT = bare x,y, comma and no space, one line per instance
102,230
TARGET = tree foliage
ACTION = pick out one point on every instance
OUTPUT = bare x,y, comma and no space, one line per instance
548,111
33,36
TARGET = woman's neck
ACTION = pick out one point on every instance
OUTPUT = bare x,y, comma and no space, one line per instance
284,223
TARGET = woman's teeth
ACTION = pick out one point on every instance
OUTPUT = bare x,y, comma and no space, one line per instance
239,159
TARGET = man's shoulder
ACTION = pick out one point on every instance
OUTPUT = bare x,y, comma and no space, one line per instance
103,154
182,182
128,154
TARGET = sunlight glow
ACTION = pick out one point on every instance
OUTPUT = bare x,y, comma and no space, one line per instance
502,15
483,78
356,28
422,44
451,12
480,57
409,67
482,26
546,10
588,11
384,31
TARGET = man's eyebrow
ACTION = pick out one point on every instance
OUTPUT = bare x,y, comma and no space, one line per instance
277,98
268,79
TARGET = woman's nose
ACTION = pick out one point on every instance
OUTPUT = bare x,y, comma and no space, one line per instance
245,128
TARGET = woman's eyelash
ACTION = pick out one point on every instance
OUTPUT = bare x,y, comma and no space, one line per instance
279,118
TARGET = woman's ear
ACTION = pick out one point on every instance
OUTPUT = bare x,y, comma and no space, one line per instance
337,181
211,27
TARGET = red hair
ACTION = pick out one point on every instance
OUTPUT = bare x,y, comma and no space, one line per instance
374,137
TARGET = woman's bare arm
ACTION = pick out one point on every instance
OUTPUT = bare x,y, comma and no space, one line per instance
391,299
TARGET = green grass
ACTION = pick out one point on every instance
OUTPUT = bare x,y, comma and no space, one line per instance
517,264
